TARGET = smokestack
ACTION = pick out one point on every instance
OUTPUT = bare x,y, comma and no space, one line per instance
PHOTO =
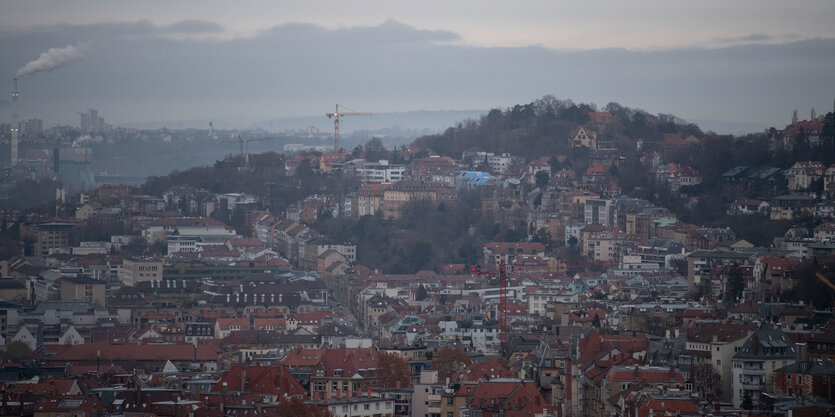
15,126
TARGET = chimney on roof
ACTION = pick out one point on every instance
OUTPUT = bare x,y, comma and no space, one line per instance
800,354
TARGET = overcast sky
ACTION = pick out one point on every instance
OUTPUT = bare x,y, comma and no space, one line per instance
741,61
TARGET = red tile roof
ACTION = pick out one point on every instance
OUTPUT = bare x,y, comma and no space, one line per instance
486,370
511,397
261,323
372,190
270,380
349,361
666,406
626,342
51,386
600,117
503,247
224,323
112,353
302,358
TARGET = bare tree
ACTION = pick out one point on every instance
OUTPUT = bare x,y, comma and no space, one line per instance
794,117
448,361
706,381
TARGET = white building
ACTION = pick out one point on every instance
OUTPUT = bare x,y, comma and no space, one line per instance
380,172
767,349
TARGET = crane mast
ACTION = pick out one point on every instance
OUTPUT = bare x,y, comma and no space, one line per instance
502,275
336,116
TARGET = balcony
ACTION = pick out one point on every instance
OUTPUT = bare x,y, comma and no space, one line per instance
753,370
752,386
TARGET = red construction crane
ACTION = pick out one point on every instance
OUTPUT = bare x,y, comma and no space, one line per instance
502,273
336,116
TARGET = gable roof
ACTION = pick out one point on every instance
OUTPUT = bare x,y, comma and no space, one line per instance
349,361
768,341
270,380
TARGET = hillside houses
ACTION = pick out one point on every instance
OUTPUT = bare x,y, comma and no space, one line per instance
801,175
368,284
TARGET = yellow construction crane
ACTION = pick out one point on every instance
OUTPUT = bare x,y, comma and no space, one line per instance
336,115
825,281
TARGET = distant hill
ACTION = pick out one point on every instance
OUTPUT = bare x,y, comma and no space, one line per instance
542,128
426,121
410,124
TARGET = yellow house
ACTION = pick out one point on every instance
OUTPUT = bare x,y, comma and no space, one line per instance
87,210
581,137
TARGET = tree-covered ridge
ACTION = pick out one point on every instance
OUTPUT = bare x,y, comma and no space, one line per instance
542,127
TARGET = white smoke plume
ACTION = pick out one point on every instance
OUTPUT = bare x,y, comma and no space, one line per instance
54,58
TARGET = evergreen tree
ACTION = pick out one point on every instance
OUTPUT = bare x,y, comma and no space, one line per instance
736,283
747,402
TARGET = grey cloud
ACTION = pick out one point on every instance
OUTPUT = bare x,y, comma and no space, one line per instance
759,37
388,32
193,27
301,69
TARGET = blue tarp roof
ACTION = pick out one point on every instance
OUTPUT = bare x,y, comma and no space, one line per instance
477,177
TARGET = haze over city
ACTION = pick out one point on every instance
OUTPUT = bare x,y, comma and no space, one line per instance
746,63
544,208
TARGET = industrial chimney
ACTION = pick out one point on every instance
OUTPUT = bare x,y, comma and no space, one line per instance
15,126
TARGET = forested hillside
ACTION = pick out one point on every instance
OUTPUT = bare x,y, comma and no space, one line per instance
542,127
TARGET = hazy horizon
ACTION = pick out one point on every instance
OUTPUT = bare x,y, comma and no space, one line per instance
243,65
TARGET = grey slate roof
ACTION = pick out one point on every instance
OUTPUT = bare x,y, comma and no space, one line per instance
767,343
